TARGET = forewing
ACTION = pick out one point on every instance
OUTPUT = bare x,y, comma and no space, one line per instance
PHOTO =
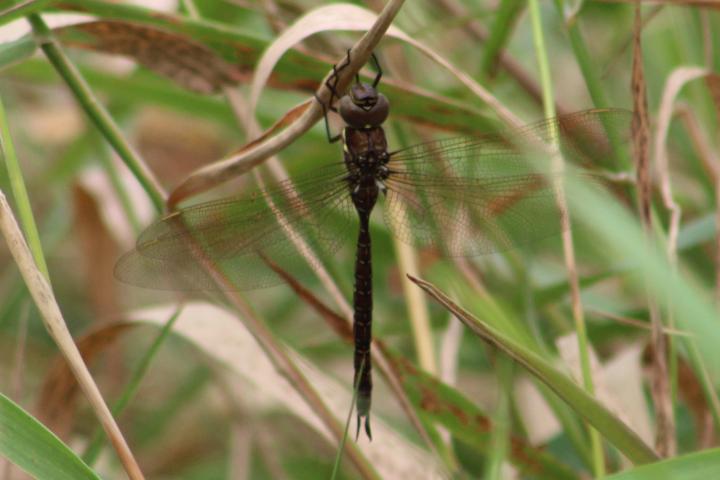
476,195
237,236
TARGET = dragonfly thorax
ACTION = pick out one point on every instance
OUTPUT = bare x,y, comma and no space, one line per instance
364,107
366,159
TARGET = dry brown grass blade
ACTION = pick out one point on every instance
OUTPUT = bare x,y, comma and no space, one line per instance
636,323
280,174
223,170
700,141
100,252
44,298
244,365
665,435
275,353
339,325
181,59
677,80
691,389
674,84
332,17
237,164
350,17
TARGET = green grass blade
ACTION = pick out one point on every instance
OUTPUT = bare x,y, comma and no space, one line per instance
35,449
440,404
16,51
97,114
20,194
14,9
507,15
93,449
612,428
696,466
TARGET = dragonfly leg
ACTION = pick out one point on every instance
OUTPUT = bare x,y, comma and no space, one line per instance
378,68
332,81
331,84
331,138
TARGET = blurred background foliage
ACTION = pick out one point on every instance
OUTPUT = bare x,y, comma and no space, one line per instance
200,414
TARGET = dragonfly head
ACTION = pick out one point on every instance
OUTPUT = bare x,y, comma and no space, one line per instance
364,107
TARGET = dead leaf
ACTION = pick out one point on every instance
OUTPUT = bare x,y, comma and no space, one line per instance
99,253
59,393
181,59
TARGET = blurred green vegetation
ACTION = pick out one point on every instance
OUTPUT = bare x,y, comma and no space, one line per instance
194,416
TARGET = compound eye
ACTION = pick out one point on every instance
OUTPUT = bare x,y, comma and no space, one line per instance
355,115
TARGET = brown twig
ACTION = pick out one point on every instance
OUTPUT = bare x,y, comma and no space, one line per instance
305,116
665,436
672,87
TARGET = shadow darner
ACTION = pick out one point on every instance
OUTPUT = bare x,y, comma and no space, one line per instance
463,196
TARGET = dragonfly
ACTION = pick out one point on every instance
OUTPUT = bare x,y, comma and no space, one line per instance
462,196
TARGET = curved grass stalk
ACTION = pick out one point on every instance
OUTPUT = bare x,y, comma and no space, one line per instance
22,200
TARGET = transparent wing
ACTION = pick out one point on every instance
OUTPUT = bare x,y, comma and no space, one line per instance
237,235
476,195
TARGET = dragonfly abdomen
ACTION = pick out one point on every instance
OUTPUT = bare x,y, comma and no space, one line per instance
362,321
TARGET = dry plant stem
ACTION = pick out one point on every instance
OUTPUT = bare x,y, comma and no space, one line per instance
449,351
219,172
637,323
618,55
302,117
711,162
662,398
279,173
417,308
673,86
55,324
472,277
700,142
279,358
558,165
273,15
